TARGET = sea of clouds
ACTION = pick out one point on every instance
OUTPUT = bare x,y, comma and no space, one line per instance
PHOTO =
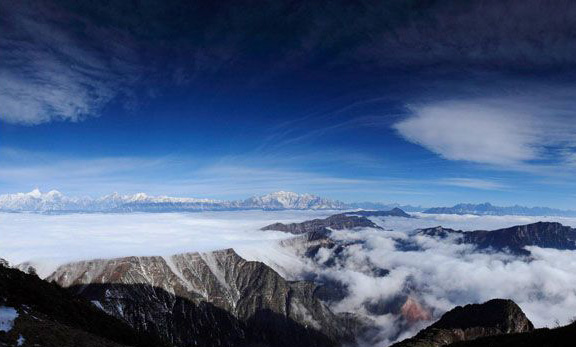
439,274
51,240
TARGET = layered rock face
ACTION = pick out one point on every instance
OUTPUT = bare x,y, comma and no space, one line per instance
215,298
494,317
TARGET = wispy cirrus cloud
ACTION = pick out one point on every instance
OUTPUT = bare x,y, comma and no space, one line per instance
49,72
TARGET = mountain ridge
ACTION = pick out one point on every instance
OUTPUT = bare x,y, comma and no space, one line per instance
515,238
56,202
487,209
159,294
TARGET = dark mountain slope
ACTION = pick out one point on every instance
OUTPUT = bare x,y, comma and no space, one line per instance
470,322
49,315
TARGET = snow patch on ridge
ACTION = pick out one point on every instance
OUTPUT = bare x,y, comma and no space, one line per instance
7,317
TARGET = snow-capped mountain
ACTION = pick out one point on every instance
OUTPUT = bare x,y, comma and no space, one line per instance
38,201
55,201
292,201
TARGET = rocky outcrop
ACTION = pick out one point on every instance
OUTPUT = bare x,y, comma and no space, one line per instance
541,234
218,294
494,317
44,314
335,222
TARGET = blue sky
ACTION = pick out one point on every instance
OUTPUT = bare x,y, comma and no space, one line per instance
430,103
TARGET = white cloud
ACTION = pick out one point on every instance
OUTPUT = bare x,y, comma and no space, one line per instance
511,132
55,239
471,131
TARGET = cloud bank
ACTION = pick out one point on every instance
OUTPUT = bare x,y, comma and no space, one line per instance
55,239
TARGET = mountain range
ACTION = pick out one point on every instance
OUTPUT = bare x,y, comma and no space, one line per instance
489,209
56,202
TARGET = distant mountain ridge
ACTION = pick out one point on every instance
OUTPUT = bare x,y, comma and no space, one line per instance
54,201
489,209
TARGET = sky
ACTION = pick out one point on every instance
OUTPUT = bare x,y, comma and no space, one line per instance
421,102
